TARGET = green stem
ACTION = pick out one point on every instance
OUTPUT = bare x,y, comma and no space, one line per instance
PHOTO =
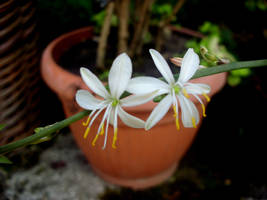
42,133
229,67
59,125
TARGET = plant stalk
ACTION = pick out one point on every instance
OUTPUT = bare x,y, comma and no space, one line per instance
123,25
101,49
44,132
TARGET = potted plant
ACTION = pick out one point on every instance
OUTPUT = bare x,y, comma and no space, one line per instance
143,158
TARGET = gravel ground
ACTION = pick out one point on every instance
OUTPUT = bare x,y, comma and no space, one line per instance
62,173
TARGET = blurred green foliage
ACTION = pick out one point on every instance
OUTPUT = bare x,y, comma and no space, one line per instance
216,39
253,5
4,160
160,11
98,20
2,126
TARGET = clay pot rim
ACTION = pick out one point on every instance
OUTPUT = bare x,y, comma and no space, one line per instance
48,57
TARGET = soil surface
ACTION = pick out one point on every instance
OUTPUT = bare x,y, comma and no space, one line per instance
84,55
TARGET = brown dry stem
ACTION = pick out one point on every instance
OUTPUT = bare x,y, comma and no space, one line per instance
101,49
139,27
123,14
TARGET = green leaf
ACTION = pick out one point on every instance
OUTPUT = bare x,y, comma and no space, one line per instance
159,98
4,160
233,80
2,126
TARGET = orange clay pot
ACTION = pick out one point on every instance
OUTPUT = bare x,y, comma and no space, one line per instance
142,158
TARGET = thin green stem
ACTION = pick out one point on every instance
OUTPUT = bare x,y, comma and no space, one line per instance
59,125
229,67
42,133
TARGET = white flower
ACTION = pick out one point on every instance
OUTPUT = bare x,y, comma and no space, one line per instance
119,76
176,91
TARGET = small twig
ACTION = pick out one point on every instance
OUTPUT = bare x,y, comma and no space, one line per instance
186,31
101,49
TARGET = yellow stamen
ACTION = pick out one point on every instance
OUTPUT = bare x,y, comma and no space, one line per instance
114,138
206,96
87,122
176,118
203,110
102,130
185,93
177,124
93,143
194,122
86,132
174,110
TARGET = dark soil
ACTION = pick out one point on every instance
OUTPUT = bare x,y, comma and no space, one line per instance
84,55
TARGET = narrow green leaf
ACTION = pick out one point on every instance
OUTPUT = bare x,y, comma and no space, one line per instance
2,126
4,160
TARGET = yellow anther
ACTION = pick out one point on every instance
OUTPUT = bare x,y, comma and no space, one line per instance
206,96
203,110
87,122
93,143
86,132
185,93
174,110
102,130
114,138
177,124
176,118
194,122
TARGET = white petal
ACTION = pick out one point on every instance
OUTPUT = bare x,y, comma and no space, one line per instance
93,83
189,110
112,113
162,65
119,75
189,66
130,120
87,101
135,100
159,111
197,88
144,85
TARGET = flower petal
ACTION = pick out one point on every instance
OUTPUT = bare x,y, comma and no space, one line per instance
87,101
189,66
130,120
162,65
135,100
197,88
189,112
159,111
94,83
144,85
119,75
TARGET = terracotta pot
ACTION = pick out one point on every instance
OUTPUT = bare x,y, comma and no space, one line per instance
142,158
